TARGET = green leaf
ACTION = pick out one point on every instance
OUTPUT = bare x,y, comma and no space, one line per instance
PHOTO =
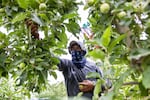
53,73
36,19
97,89
22,78
33,3
55,60
43,16
19,17
18,61
97,53
93,75
79,94
146,79
69,16
106,37
45,64
93,20
59,51
39,68
43,76
1,71
40,56
39,60
63,38
116,41
23,3
107,96
2,36
146,61
73,27
144,91
2,59
138,53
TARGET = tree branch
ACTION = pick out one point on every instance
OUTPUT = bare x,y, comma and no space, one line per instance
130,83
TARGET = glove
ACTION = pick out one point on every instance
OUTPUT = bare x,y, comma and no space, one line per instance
86,86
34,28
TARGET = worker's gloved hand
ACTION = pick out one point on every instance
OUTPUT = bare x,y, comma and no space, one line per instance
33,28
86,86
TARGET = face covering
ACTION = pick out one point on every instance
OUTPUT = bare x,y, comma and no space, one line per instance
78,58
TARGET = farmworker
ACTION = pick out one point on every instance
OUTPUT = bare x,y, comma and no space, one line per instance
76,70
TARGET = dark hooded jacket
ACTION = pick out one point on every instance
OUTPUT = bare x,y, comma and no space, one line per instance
74,75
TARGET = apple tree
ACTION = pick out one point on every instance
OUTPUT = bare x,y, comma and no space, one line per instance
121,30
26,57
120,39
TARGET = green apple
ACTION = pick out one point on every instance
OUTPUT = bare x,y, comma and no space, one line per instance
32,61
2,10
81,86
22,65
122,14
42,6
138,8
23,48
104,8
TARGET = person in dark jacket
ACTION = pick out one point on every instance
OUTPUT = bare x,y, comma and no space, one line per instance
75,71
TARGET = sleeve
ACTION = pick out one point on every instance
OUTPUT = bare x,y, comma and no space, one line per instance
62,65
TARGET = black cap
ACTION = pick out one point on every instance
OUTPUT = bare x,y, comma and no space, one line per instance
72,43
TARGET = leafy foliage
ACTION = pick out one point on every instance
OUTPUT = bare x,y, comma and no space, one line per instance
10,91
119,33
53,92
27,59
121,38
